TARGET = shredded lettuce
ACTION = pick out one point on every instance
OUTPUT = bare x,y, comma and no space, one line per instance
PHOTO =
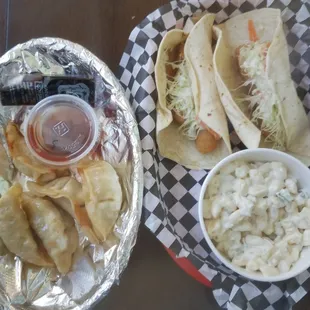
180,98
263,101
252,59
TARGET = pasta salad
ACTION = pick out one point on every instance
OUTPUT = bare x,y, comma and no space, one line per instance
257,216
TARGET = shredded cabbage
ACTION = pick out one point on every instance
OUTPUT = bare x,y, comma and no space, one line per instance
262,99
180,98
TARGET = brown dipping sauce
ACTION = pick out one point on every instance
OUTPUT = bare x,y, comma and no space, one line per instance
60,133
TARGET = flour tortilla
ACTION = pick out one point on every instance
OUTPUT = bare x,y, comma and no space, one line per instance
198,56
269,27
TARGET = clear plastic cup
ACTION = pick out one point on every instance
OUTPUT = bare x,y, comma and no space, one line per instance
60,130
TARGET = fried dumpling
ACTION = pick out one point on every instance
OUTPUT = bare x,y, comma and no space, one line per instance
103,196
23,159
15,231
6,171
3,249
56,231
66,192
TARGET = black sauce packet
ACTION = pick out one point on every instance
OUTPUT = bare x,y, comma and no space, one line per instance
29,89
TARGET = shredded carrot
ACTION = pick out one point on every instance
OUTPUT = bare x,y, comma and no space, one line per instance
252,32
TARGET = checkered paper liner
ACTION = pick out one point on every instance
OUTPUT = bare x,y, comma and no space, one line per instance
171,191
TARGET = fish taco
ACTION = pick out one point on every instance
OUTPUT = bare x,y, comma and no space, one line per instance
252,73
191,122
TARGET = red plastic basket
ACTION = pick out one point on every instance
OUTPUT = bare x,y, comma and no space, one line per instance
190,269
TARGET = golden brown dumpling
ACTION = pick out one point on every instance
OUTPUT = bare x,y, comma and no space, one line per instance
3,249
6,171
66,192
56,231
15,231
23,159
103,196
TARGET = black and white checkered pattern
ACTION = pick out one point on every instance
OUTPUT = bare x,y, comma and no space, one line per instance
171,191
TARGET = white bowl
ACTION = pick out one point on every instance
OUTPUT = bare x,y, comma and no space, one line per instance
297,169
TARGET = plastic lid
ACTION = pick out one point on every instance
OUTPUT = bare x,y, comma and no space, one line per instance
60,130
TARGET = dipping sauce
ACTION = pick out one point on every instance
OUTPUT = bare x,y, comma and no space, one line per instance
60,130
